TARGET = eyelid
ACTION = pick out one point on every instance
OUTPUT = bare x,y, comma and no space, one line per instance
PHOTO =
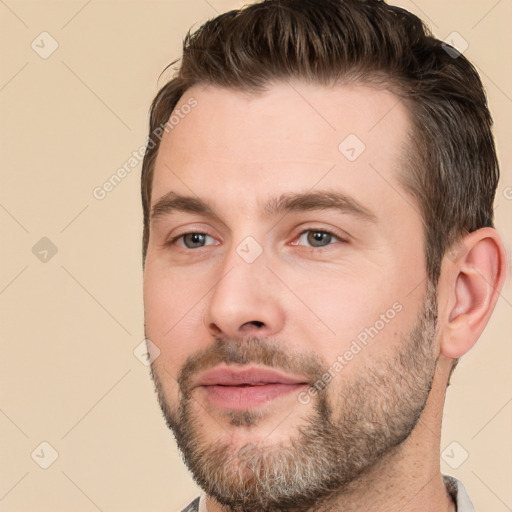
174,239
344,238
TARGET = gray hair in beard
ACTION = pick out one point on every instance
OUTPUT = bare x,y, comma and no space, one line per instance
349,430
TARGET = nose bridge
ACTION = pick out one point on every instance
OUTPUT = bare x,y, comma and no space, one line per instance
243,297
242,273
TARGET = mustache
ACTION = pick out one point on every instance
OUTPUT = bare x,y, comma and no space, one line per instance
259,351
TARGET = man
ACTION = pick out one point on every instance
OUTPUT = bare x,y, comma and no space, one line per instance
319,251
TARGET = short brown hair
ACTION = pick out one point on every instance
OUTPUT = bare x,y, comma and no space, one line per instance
453,171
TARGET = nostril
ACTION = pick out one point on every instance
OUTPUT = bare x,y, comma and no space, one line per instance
257,323
214,329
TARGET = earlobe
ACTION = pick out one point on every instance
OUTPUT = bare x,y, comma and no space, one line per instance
478,277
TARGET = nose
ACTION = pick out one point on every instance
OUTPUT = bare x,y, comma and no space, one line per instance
245,301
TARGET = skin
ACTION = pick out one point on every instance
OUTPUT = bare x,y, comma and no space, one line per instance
235,151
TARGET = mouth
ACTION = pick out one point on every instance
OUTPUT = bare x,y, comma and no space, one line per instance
242,388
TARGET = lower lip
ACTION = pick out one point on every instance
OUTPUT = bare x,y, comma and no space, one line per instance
247,397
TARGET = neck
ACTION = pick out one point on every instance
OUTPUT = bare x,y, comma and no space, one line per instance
407,479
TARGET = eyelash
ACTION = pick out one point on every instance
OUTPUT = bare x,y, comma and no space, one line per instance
314,230
326,231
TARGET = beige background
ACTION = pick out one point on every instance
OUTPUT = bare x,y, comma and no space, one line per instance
70,324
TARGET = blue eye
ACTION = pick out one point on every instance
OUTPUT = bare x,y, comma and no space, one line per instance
317,238
193,240
310,238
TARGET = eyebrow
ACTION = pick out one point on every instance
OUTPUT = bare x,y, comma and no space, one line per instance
285,203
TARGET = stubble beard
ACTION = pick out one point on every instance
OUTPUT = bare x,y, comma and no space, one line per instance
349,430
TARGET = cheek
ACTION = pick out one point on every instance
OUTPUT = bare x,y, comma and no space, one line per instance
173,311
349,316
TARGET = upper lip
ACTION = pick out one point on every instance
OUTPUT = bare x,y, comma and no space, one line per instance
232,376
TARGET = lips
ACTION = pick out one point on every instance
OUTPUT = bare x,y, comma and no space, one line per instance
253,376
246,388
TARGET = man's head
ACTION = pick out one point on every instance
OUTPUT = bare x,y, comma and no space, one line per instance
325,156
451,167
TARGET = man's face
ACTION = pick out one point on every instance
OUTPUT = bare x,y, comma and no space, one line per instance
295,331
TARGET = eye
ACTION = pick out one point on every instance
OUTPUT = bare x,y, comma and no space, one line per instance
317,238
193,240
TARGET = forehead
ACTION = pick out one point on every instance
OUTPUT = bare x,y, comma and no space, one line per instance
291,136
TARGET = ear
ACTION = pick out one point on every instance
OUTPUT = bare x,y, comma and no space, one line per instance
474,273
